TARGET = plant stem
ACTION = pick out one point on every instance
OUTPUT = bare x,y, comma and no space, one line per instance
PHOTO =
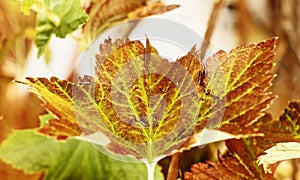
151,169
218,5
174,166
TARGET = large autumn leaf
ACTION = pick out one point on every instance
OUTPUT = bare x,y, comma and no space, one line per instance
149,106
144,103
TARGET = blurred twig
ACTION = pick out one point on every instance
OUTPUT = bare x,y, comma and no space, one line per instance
174,166
218,5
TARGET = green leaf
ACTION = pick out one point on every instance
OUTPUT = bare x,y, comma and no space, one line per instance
57,17
61,17
72,159
26,5
44,119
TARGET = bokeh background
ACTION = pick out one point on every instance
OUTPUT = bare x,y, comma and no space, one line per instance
240,22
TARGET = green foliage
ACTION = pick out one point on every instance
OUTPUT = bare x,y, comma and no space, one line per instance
59,18
62,17
72,159
240,79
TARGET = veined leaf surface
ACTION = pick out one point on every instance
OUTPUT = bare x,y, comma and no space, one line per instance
238,83
281,136
145,104
57,97
239,164
246,77
279,142
149,106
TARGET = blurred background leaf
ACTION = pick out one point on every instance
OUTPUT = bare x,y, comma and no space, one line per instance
72,159
19,110
57,17
242,22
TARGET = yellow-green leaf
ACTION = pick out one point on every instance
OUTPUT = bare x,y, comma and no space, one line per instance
240,80
57,97
149,106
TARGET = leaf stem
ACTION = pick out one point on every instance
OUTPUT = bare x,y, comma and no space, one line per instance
151,169
54,18
218,5
174,166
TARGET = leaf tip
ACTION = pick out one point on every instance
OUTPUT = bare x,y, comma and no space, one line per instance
19,82
271,42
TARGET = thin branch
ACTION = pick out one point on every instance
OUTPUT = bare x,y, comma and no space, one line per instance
295,169
218,5
174,166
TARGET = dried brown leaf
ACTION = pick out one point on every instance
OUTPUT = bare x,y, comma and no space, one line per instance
107,13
